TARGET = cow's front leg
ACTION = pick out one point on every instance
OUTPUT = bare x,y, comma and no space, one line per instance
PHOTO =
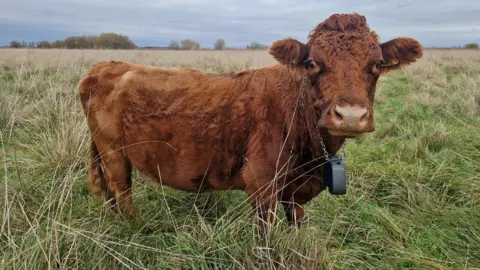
262,191
264,202
294,213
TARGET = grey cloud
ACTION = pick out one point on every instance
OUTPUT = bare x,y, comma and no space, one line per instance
432,22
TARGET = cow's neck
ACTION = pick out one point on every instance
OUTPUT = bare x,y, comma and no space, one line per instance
303,114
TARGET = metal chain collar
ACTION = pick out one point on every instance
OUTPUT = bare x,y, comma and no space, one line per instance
324,148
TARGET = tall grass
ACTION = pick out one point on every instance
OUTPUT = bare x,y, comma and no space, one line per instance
413,200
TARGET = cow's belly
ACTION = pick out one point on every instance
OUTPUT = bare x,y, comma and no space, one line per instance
185,170
178,158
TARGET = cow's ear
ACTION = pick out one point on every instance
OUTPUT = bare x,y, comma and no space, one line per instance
400,52
289,52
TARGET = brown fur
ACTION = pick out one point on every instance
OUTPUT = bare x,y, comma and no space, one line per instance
197,131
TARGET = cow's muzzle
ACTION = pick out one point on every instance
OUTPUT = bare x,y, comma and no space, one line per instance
349,120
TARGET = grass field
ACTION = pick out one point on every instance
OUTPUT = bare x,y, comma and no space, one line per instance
413,200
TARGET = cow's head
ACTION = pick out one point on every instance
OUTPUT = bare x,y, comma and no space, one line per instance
343,60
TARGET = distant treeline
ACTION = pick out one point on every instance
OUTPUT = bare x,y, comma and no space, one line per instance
117,41
102,41
219,44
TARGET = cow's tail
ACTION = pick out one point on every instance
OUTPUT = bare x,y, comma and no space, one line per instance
96,179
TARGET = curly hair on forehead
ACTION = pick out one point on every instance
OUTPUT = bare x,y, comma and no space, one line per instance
340,23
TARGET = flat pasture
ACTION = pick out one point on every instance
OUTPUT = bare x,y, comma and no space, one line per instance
413,199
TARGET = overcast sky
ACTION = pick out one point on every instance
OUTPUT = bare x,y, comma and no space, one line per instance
156,22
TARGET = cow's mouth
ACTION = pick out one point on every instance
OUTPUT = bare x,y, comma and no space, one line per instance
347,134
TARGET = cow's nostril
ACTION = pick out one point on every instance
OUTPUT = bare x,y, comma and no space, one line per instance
337,114
364,117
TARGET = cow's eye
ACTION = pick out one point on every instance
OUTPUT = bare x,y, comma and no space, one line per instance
310,64
314,68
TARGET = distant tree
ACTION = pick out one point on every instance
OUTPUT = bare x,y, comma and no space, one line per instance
43,44
82,42
70,42
29,44
174,45
114,41
256,45
77,42
103,41
57,44
15,44
219,44
189,44
471,46
91,41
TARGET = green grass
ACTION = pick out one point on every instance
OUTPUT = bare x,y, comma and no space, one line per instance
413,200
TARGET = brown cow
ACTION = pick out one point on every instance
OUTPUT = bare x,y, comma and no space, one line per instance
259,130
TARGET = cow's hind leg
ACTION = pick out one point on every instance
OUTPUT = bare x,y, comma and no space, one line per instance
118,175
116,170
96,183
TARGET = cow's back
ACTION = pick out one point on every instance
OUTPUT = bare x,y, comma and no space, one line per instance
110,87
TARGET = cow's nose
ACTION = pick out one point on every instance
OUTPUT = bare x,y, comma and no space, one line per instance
350,118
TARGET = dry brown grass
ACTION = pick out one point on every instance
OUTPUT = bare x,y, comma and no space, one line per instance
256,58
63,58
